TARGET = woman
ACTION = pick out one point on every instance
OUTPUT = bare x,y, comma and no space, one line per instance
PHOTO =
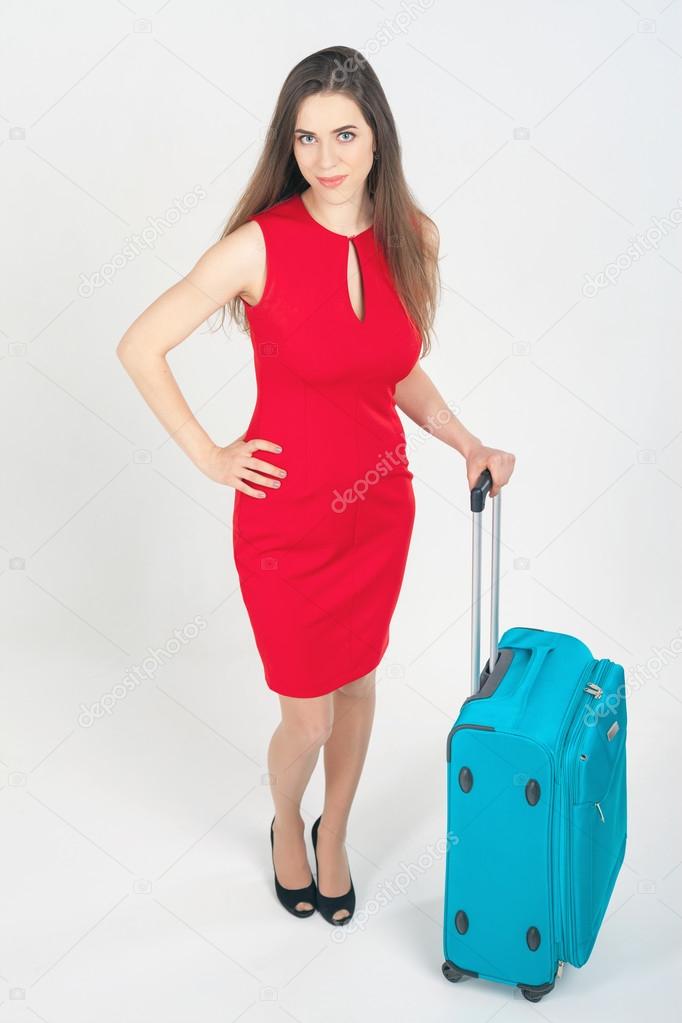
335,269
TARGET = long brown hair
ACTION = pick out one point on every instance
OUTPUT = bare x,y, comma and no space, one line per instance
400,227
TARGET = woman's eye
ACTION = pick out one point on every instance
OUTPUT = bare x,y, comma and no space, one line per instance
301,138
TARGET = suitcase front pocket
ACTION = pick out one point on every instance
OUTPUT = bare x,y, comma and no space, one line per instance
598,836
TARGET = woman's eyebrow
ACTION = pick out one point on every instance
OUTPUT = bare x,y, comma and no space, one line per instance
333,132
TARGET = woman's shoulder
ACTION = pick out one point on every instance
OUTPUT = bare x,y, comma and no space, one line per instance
267,249
282,211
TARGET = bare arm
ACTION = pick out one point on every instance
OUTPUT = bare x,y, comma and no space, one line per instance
233,266
418,397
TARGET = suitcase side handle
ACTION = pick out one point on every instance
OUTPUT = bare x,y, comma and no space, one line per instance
479,492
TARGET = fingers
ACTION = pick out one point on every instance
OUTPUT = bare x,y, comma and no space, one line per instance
501,473
258,463
500,465
249,474
251,464
246,489
263,445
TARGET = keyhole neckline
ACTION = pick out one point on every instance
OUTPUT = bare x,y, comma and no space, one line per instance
327,230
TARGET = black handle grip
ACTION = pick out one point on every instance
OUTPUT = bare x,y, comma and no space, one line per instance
480,490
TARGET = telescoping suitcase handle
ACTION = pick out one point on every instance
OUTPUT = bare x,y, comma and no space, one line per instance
479,492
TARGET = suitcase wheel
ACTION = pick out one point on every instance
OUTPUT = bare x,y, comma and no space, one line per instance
535,996
450,972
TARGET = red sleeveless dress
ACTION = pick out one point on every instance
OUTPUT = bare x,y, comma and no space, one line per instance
321,559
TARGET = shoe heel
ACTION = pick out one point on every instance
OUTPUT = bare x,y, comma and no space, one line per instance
327,905
290,897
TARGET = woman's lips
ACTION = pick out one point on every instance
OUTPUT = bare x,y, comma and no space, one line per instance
332,182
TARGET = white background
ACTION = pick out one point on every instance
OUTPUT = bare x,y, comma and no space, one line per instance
136,879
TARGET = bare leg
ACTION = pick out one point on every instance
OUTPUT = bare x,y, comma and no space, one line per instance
344,757
292,755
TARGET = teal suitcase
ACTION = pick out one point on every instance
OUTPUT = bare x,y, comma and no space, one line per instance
536,798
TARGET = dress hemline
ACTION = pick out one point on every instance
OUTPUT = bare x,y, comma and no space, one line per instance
336,685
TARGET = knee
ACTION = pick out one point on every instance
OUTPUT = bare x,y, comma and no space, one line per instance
312,730
317,732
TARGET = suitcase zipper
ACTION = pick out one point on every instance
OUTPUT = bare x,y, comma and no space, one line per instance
563,924
600,668
580,688
597,692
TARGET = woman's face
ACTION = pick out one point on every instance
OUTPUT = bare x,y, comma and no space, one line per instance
332,140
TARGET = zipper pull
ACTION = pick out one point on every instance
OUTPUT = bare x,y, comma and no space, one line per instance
600,812
593,689
560,968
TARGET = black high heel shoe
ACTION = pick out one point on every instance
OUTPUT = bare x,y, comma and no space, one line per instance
330,904
290,897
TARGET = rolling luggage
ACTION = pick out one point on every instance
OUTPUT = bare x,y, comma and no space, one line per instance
536,798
